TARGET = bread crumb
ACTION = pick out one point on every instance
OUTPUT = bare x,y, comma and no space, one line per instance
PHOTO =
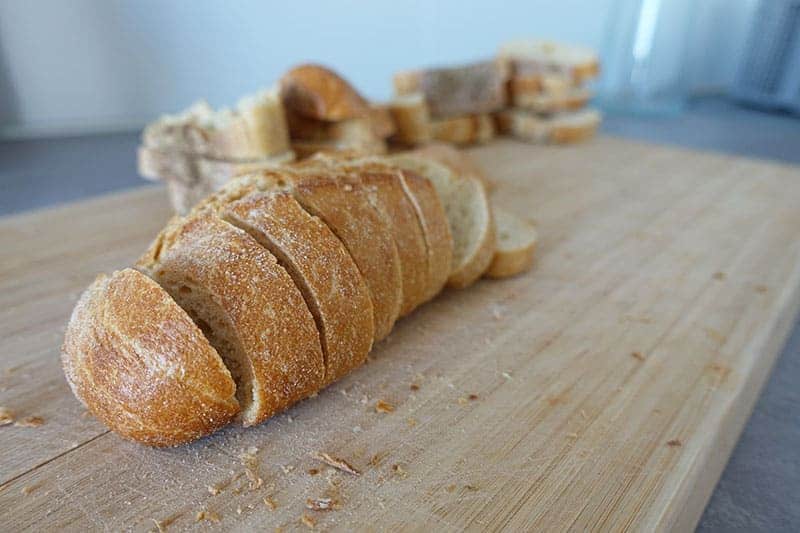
6,416
472,397
287,468
761,288
214,490
313,471
308,521
270,503
719,276
506,375
411,421
413,386
572,435
399,470
239,509
382,406
376,459
321,504
28,489
450,488
472,487
162,525
209,516
335,462
462,401
638,355
357,429
584,415
674,443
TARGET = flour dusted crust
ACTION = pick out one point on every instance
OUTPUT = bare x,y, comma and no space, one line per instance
322,269
231,284
318,92
140,365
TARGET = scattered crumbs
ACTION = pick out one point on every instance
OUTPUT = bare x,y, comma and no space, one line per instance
584,415
719,276
497,312
471,488
357,429
382,406
287,468
761,288
322,504
572,436
214,490
411,421
462,401
27,489
239,509
270,503
399,471
364,400
289,419
720,369
162,525
6,416
376,459
308,521
313,394
413,386
472,397
209,516
335,462
638,356
313,471
554,400
450,488
674,443
506,375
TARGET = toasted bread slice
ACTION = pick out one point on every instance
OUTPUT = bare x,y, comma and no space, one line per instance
459,90
139,364
468,213
319,93
248,307
255,129
516,243
320,266
562,128
412,119
528,57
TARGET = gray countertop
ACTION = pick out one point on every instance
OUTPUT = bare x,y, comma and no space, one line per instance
759,488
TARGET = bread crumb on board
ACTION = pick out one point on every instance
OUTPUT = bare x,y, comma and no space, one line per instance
308,521
335,462
270,503
413,386
719,276
6,416
208,516
28,489
638,356
30,422
382,406
399,470
322,504
674,443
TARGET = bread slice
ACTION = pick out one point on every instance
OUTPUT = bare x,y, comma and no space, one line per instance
412,119
248,307
468,213
548,83
319,93
255,129
139,364
464,130
458,161
345,207
516,243
528,57
321,268
567,127
460,90
571,100
381,120
305,149
384,185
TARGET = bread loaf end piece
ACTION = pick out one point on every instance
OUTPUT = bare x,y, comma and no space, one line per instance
136,360
318,92
248,307
516,244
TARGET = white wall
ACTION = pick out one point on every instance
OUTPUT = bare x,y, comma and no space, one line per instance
79,65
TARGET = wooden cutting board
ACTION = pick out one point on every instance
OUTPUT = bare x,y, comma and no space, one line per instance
605,389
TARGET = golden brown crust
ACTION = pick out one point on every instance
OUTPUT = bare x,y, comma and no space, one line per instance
318,92
257,299
436,230
321,267
141,366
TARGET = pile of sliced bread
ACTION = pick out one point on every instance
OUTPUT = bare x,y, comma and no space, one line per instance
278,284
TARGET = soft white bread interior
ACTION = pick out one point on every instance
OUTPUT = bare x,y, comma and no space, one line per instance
562,128
136,360
247,306
516,243
531,57
468,212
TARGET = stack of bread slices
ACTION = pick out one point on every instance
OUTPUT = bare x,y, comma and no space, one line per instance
278,284
547,91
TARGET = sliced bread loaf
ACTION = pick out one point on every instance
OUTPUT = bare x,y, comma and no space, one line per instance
139,364
468,213
516,243
248,307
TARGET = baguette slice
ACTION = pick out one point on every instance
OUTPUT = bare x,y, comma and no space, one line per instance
412,119
319,93
563,128
531,57
255,129
248,307
459,90
516,243
386,190
458,161
139,364
468,213
320,266
470,129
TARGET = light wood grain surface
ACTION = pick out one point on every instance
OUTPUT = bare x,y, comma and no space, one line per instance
604,390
